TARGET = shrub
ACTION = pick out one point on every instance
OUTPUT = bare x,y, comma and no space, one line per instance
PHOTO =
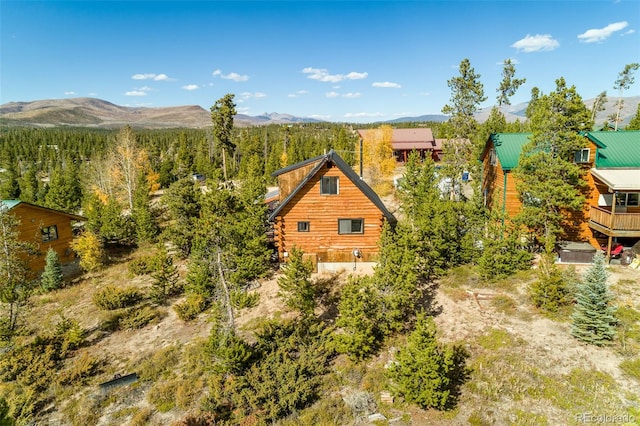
90,250
191,307
162,395
136,318
242,299
81,369
502,257
112,297
144,265
631,367
71,333
553,289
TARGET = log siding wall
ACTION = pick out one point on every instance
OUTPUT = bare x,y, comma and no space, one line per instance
32,220
322,242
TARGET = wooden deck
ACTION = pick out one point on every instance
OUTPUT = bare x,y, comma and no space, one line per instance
616,225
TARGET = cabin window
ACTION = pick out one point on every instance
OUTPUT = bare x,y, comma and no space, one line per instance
350,226
329,185
303,226
629,199
493,159
49,233
582,156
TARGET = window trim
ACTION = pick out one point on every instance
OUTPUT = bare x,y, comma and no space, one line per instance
493,157
303,226
351,219
47,235
322,185
578,157
625,195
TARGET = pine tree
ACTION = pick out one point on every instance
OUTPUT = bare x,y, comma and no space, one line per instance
397,277
553,289
165,278
548,180
634,124
359,319
15,277
52,277
426,372
296,287
145,224
593,319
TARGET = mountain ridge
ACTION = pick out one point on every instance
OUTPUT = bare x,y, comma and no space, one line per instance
98,113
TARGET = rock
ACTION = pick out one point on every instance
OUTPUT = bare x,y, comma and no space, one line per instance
376,417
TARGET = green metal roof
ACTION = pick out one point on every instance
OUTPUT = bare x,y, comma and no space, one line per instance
616,149
508,147
9,204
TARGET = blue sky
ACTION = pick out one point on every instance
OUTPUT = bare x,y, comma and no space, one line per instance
355,61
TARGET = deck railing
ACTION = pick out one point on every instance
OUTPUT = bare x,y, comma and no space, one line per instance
621,221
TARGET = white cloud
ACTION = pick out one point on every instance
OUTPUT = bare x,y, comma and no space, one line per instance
356,75
352,95
320,117
600,34
242,110
136,93
231,76
322,74
629,32
363,114
536,43
386,84
151,76
255,95
191,87
332,94
424,94
69,93
297,93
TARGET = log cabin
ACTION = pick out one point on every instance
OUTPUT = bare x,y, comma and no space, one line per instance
614,179
611,164
499,157
46,228
327,211
404,141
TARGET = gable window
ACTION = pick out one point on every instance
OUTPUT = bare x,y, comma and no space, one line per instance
303,226
350,226
493,159
329,185
581,156
49,233
629,199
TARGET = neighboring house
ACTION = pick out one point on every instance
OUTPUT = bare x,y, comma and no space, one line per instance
612,170
614,204
329,213
499,157
47,228
403,141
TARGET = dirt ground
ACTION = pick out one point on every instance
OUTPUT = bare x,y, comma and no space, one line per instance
464,317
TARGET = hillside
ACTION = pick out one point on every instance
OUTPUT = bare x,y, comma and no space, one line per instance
90,112
525,368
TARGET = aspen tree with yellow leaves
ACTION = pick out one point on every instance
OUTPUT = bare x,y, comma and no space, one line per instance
377,158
